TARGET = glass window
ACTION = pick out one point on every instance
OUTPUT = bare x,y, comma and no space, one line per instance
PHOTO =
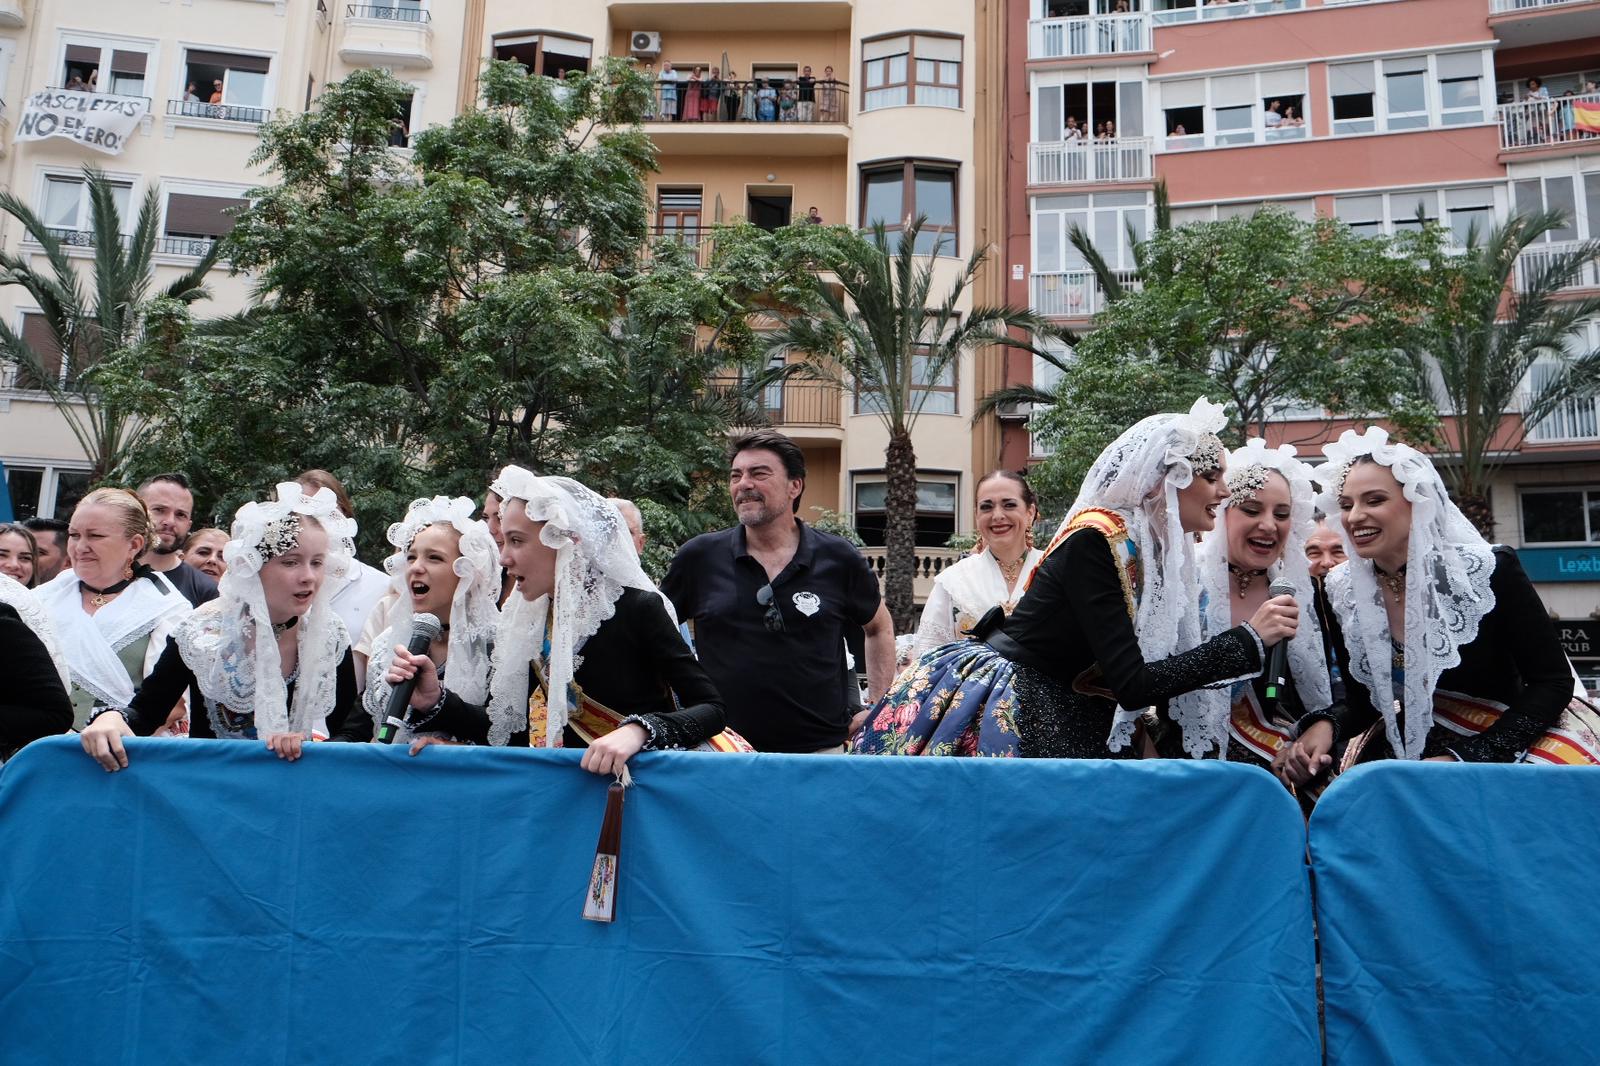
911,70
1408,100
907,190
66,203
1234,125
935,518
1554,517
885,198
247,88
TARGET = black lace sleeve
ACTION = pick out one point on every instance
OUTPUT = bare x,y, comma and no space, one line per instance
699,715
1100,609
34,704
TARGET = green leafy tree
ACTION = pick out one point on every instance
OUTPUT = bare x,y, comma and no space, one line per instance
1485,324
92,323
878,326
1266,313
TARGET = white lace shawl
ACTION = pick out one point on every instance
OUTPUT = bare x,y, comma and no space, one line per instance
90,643
1448,569
595,562
473,611
1139,475
34,615
230,646
1205,712
964,593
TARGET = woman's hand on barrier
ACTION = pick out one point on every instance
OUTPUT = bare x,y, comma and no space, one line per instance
1307,757
286,745
102,739
405,666
610,753
1275,620
422,742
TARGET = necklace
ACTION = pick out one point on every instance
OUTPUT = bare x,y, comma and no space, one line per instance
103,596
285,625
1395,582
1010,570
1244,578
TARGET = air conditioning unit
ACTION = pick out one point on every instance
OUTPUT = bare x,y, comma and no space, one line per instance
1015,411
644,43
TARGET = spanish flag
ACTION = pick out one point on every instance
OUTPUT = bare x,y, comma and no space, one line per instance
1586,115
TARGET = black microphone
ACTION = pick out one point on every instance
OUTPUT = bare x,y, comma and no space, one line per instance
424,628
1277,659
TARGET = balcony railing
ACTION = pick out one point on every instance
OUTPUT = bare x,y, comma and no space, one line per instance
1188,142
1500,7
1205,12
1088,35
195,246
798,403
761,101
74,238
698,242
219,112
1066,162
929,563
1574,419
388,12
1073,293
1537,257
1539,123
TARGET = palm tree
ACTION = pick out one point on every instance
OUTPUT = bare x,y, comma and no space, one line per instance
1485,325
91,314
875,325
1110,283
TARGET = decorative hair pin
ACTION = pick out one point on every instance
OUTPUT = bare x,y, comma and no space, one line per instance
282,535
1243,483
1207,455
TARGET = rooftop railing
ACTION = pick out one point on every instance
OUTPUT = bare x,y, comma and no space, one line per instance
389,12
1203,12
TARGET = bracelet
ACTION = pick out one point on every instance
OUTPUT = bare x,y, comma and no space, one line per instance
418,719
98,711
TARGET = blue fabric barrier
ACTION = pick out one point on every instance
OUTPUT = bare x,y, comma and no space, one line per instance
1456,910
212,904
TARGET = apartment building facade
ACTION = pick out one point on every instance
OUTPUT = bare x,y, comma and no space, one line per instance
1366,111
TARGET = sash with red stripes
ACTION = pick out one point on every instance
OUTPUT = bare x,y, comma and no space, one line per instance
1114,528
1248,725
591,720
1574,740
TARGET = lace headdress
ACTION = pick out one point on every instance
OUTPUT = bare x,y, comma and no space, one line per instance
1448,568
595,562
229,643
473,613
1204,713
36,617
1139,476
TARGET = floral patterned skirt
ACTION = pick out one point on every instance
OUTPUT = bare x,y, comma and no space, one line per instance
955,700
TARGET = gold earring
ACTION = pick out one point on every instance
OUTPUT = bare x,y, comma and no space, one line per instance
127,571
1027,538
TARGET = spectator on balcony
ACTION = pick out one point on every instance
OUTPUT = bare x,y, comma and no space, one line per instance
1179,131
814,217
829,97
667,84
770,600
1291,117
711,96
749,104
690,112
191,95
1536,90
807,99
730,98
788,102
1072,132
650,78
1111,130
94,81
75,82
766,102
1273,116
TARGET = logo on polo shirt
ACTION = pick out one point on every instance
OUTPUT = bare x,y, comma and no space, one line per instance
807,603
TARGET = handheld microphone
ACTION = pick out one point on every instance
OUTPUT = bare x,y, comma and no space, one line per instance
1277,659
424,628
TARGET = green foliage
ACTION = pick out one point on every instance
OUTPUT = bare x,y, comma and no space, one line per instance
962,542
840,525
1264,313
488,299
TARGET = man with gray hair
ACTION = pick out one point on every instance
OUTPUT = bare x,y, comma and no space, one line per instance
632,519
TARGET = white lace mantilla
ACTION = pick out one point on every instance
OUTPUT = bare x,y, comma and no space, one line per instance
91,643
1449,566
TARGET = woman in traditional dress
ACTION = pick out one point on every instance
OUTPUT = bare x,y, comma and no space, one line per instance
445,565
34,703
112,614
1446,651
1111,622
587,654
1260,538
971,717
269,658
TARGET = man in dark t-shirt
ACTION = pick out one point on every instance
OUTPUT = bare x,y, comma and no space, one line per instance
808,96
171,507
771,599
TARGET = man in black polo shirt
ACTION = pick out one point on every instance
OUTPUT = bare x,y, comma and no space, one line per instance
770,600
